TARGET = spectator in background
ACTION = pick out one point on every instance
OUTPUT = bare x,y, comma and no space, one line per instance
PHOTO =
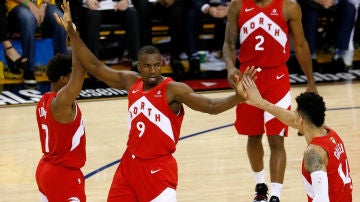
29,15
14,60
90,19
172,12
198,11
345,17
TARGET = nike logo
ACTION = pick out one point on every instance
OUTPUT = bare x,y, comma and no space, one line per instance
134,91
154,171
279,77
248,9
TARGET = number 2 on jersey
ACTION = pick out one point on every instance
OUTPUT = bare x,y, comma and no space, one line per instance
260,39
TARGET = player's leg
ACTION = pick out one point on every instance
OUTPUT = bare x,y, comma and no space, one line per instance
255,152
120,190
276,131
277,164
253,126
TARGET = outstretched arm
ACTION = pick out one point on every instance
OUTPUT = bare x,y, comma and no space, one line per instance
182,93
231,37
116,79
254,98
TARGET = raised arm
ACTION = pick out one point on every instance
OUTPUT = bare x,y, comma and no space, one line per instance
116,79
231,37
301,47
254,98
63,105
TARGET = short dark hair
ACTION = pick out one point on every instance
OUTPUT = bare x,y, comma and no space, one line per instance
59,65
149,49
312,107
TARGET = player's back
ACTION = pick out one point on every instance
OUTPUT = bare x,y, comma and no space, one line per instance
61,143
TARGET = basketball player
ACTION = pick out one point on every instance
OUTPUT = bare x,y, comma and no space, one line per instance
263,28
62,133
325,167
148,170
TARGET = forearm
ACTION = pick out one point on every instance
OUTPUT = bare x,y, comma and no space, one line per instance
229,55
77,75
220,105
84,55
303,55
286,116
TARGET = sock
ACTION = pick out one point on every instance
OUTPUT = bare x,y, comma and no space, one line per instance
276,189
259,177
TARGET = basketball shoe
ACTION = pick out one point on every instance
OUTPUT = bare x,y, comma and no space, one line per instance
261,194
274,199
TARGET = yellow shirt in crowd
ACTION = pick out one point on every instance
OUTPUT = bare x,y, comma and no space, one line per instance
10,4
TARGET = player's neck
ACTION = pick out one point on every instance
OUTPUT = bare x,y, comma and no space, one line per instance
262,3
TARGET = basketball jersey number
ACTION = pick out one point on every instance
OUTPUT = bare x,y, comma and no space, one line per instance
141,127
260,40
45,128
345,176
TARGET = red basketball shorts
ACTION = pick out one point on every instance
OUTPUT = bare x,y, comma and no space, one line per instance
274,86
58,183
140,180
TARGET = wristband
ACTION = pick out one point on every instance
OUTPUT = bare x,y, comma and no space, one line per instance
319,181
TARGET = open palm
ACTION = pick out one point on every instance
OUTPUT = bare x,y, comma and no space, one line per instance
65,21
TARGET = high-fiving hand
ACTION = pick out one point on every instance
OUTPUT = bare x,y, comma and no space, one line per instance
249,73
66,21
252,92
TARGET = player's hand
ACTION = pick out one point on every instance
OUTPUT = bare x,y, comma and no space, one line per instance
249,72
65,21
233,77
312,88
253,94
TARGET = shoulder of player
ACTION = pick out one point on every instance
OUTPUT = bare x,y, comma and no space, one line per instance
290,5
175,90
315,158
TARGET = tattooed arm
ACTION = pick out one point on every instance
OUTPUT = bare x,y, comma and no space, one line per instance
315,162
231,37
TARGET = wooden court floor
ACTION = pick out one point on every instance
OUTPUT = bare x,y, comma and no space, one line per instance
212,159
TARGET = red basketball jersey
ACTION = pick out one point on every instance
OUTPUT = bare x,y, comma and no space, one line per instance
154,127
263,35
338,170
61,143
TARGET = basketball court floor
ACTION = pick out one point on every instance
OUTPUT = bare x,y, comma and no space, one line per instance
212,159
